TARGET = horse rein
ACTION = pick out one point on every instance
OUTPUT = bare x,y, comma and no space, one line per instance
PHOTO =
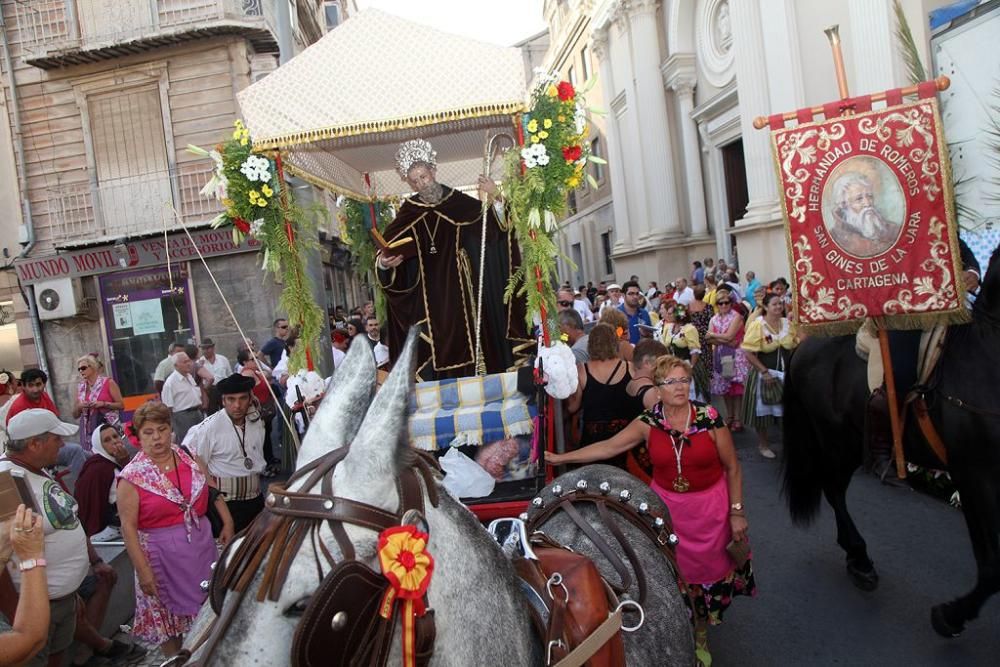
288,519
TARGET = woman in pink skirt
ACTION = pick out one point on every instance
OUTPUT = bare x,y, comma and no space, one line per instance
729,364
697,474
162,501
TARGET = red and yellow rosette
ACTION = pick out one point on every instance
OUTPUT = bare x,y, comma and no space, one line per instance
406,563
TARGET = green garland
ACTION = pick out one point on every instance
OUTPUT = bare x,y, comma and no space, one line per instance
537,180
355,223
259,205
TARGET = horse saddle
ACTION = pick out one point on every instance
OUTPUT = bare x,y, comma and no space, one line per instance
573,609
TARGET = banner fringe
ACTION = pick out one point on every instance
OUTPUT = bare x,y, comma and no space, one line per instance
909,321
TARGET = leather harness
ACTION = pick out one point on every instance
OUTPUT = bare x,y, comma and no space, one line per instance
340,623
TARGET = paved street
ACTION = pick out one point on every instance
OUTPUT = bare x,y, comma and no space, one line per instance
808,613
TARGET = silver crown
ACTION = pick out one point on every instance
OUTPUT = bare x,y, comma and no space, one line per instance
413,151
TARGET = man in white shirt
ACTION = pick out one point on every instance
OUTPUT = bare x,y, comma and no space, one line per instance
35,439
218,366
683,294
231,447
165,367
341,341
183,396
615,298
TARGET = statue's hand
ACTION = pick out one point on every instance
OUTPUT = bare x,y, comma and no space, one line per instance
390,261
487,186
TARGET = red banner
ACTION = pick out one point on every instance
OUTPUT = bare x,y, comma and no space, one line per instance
870,221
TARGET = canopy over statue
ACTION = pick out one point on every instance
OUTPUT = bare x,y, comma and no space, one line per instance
357,96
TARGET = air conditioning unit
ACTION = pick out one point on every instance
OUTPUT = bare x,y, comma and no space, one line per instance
56,299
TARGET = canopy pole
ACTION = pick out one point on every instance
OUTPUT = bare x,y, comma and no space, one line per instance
290,233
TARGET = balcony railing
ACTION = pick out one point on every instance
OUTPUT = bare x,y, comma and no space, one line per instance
60,32
132,206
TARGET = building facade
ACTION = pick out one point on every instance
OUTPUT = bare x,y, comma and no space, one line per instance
102,98
684,79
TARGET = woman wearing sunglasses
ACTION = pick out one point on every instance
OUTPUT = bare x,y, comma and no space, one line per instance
697,474
98,399
729,364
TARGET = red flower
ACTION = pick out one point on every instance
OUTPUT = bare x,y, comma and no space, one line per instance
572,153
242,225
566,91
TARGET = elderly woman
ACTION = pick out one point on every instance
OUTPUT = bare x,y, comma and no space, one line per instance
602,391
768,345
95,489
729,365
697,474
755,311
98,399
163,497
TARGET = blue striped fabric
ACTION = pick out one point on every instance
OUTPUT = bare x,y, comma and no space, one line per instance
468,411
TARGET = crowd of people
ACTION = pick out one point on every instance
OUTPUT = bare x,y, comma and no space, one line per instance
651,363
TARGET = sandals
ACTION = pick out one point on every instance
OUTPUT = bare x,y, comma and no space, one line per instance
766,452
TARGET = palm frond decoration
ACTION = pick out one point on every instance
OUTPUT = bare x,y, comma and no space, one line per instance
908,51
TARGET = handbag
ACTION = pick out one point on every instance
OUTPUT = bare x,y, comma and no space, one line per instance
213,516
739,552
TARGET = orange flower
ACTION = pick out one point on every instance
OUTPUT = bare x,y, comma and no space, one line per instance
620,332
405,562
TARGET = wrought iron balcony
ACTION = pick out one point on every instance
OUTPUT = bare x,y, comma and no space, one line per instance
56,33
83,214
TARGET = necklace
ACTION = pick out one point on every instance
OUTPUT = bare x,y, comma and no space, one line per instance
431,234
681,484
247,461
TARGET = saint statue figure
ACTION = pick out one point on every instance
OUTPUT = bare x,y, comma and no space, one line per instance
436,283
858,226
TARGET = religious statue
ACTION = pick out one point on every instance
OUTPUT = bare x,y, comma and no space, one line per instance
433,279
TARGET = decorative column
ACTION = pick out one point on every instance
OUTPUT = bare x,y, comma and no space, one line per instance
612,137
651,105
871,36
751,77
679,71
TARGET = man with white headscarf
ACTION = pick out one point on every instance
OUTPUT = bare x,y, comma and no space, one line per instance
433,280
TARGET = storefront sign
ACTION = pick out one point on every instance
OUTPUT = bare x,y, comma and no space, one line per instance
135,255
147,317
869,219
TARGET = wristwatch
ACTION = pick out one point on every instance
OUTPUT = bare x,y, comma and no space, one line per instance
736,507
31,564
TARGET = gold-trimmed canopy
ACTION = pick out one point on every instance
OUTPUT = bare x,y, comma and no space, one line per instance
341,107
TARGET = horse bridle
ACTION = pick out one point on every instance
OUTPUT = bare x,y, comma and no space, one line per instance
343,611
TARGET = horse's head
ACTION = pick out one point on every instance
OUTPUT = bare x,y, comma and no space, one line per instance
374,431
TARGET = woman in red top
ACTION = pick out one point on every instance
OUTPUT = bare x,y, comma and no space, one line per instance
162,501
697,474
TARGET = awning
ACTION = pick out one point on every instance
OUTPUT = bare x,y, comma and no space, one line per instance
341,107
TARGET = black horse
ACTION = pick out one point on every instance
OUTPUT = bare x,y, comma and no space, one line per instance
825,401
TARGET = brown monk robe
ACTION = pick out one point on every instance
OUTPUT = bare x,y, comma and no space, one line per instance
438,288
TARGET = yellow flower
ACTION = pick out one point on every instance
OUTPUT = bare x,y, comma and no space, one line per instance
573,181
543,135
227,202
547,123
254,195
237,134
405,561
238,123
561,118
534,139
262,202
533,126
552,91
243,141
266,189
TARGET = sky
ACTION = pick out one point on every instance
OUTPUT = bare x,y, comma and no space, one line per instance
503,22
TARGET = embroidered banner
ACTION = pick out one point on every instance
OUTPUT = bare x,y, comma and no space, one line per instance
869,220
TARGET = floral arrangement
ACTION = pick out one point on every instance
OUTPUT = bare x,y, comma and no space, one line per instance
355,222
258,205
538,179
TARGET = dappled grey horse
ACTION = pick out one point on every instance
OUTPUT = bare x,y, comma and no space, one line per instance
480,616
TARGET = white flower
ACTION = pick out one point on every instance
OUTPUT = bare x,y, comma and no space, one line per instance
256,168
4,378
256,226
542,159
534,218
528,156
550,222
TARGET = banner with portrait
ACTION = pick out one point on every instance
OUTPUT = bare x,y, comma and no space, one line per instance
870,221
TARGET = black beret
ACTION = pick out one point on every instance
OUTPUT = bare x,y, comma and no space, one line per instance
236,384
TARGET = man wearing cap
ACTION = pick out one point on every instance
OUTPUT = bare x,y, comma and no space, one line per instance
218,366
36,435
183,396
341,342
231,447
434,280
615,298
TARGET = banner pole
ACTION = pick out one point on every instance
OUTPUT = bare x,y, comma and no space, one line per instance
833,35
